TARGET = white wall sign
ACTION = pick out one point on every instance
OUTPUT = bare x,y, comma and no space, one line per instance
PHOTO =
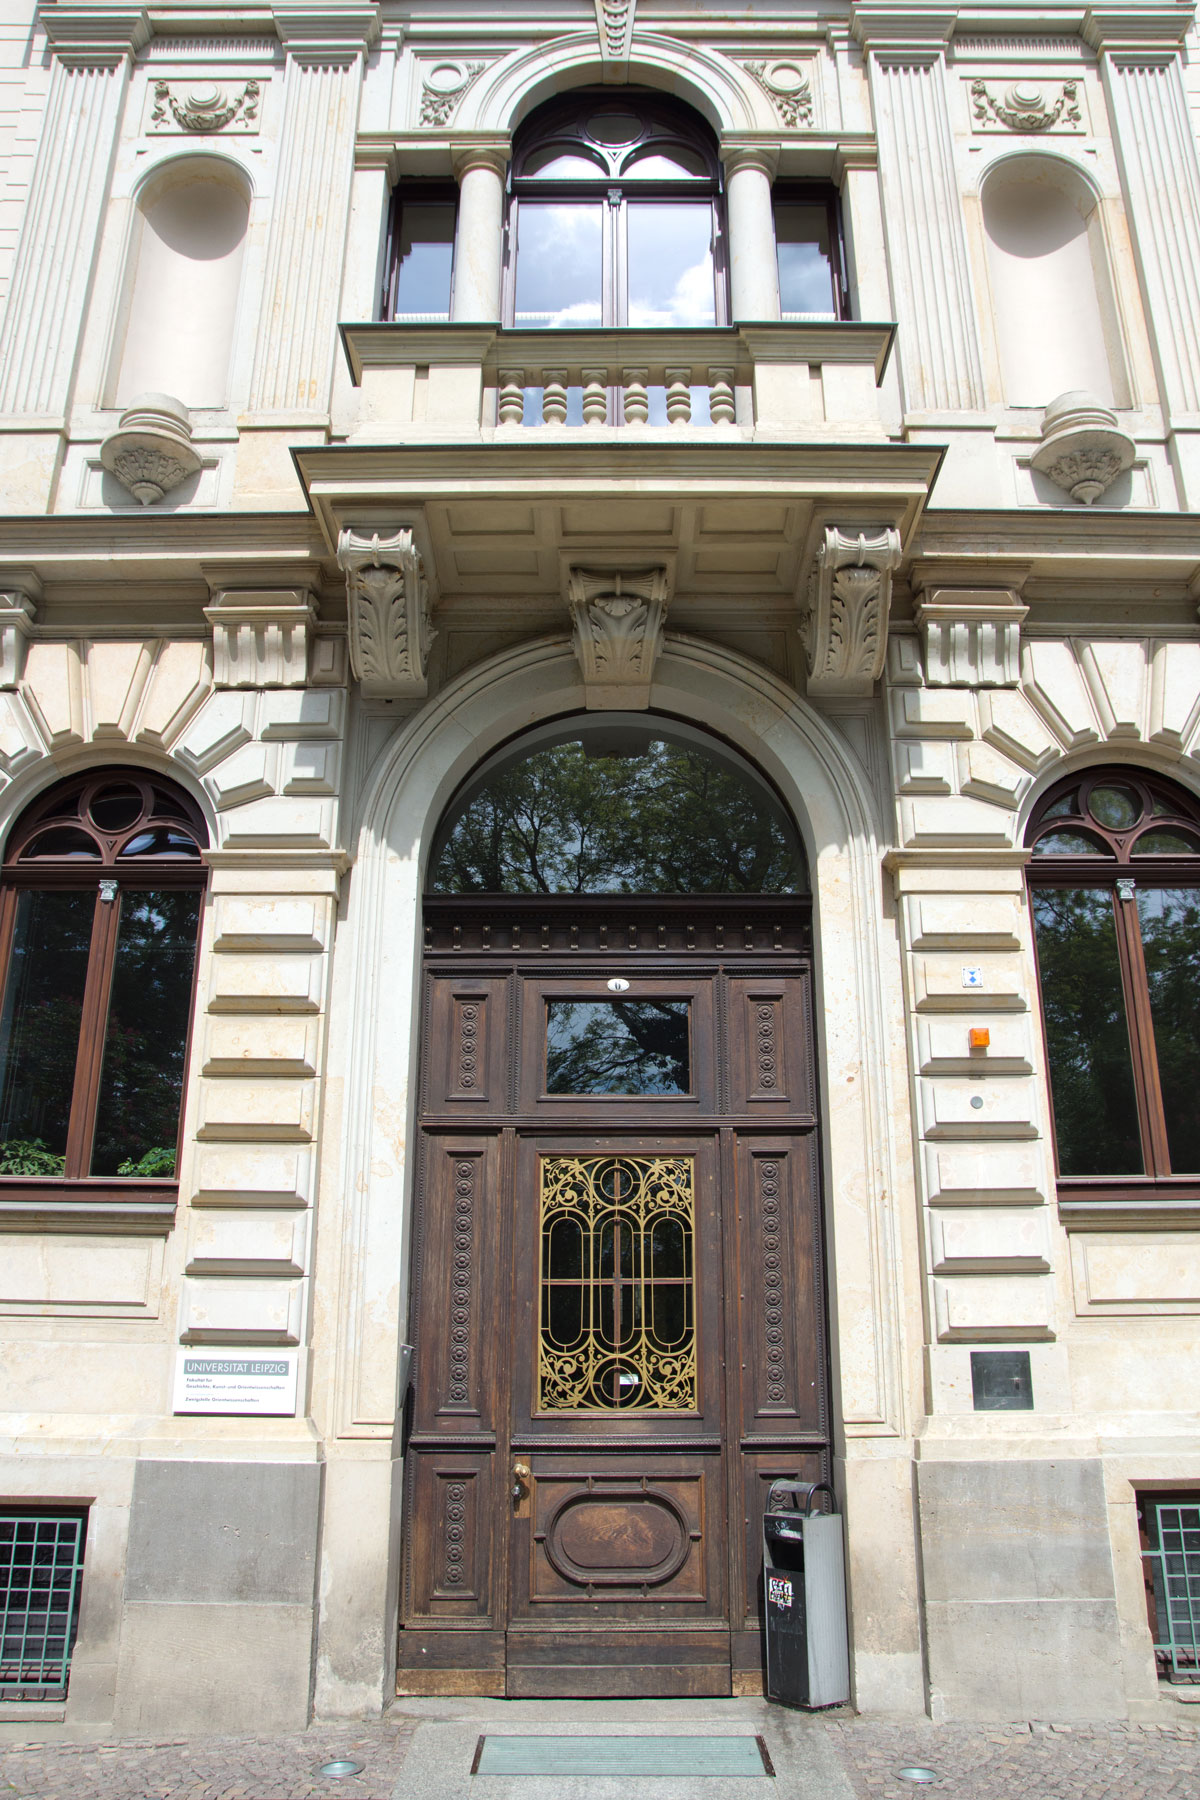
214,1382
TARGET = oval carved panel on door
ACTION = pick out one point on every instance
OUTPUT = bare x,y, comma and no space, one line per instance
621,1538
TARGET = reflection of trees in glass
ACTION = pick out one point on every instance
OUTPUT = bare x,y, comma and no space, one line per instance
669,821
142,1077
617,1047
43,1005
1091,1077
1170,923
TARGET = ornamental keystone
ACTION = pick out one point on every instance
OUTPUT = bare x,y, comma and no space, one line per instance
619,620
850,595
388,610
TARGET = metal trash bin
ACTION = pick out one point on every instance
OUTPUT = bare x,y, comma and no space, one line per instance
804,1596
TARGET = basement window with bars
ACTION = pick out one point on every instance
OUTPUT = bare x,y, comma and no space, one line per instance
1169,1527
41,1573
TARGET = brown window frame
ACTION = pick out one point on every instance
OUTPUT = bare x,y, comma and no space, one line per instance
819,193
1112,867
131,874
412,191
562,123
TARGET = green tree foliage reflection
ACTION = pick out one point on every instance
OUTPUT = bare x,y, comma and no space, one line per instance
1170,925
672,820
617,1047
1091,1073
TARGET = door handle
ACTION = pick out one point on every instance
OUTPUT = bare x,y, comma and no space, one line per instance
520,1487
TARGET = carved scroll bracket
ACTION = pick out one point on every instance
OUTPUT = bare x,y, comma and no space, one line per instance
850,594
619,621
388,609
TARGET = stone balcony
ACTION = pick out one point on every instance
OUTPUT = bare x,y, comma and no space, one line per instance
816,381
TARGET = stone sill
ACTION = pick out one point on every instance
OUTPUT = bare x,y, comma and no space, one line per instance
1108,1203
129,1207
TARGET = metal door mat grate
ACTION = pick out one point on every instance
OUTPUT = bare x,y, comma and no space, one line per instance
728,1756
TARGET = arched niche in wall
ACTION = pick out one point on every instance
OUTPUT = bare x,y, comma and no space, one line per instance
1055,312
182,281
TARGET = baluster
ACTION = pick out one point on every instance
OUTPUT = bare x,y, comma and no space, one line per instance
679,396
595,396
720,396
511,401
554,396
637,401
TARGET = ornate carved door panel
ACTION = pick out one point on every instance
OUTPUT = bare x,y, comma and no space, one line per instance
618,1310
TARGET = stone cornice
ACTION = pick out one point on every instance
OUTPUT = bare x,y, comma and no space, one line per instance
328,29
896,28
1131,28
95,34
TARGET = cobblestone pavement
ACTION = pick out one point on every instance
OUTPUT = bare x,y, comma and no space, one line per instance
1022,1762
1008,1762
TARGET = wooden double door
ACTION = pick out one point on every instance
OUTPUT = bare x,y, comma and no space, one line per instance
618,1309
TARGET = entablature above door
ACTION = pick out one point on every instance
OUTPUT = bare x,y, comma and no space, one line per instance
747,524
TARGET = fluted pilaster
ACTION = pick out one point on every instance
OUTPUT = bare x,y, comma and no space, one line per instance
293,362
938,342
1162,186
39,341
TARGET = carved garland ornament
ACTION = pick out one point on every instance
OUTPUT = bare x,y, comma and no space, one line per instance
205,107
788,88
845,629
1025,107
444,87
388,609
618,634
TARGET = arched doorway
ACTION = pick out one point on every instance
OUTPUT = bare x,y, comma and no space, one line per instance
618,1305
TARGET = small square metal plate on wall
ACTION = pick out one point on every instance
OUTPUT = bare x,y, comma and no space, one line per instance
1001,1381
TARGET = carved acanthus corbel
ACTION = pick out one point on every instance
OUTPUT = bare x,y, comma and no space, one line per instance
388,609
619,624
850,594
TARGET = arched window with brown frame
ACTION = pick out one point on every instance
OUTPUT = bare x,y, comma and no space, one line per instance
614,215
100,908
1114,882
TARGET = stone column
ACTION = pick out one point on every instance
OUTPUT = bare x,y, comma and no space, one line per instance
293,361
1160,173
479,239
753,269
940,363
39,343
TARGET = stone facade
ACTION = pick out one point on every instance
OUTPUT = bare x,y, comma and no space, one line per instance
319,587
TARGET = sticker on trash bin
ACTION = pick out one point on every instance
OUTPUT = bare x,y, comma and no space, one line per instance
779,1590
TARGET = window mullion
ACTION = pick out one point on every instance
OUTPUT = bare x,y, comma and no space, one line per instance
616,259
93,1020
1141,1032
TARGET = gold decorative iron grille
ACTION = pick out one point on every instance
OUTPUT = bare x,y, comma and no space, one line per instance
618,1328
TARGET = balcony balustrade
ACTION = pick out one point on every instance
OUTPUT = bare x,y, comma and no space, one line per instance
746,381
